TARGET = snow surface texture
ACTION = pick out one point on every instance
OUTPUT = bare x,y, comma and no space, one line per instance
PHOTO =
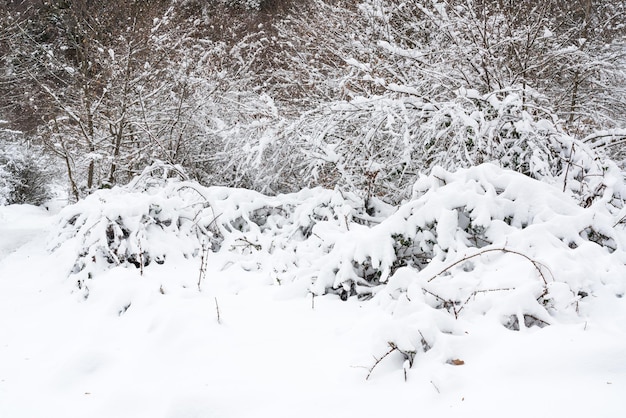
487,293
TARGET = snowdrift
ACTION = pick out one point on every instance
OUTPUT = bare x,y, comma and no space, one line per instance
479,248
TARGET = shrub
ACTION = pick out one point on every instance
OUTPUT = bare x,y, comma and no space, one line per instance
23,179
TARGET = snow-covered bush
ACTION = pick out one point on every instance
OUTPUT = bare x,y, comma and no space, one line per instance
150,220
453,215
480,246
23,179
159,217
330,238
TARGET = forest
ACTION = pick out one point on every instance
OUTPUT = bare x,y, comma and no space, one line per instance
280,95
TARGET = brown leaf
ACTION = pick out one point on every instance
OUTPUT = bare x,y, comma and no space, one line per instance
456,362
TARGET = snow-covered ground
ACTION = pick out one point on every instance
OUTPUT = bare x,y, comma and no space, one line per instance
151,345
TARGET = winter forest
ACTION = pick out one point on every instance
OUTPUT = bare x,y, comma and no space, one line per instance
278,95
363,198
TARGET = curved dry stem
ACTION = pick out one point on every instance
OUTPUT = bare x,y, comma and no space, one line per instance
538,265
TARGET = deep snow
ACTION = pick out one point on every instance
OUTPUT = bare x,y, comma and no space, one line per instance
151,346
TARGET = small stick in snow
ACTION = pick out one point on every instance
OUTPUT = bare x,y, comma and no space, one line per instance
203,263
436,388
217,309
141,257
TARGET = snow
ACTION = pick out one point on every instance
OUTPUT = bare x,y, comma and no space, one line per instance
19,224
267,335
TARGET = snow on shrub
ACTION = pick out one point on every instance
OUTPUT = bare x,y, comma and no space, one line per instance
483,246
23,180
133,226
475,208
160,218
480,246
329,238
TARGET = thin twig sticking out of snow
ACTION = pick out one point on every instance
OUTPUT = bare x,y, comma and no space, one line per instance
378,360
569,164
217,310
203,263
408,356
438,391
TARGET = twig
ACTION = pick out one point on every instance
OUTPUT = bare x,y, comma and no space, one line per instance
212,223
447,303
436,388
248,244
569,164
535,263
425,345
141,257
217,310
378,360
475,292
620,221
203,263
435,295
